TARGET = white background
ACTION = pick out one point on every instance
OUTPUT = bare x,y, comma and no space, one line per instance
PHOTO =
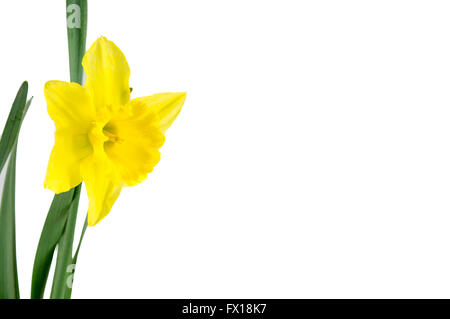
311,159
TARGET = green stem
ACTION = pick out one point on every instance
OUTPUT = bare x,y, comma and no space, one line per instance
76,11
75,258
76,14
53,230
63,268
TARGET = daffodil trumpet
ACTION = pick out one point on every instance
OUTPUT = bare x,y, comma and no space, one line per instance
103,138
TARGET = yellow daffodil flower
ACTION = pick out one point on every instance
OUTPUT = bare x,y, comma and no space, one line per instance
103,138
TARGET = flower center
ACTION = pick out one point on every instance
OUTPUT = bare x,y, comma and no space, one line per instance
111,133
102,136
111,137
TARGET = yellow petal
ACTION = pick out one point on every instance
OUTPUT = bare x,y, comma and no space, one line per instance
63,170
102,184
69,106
166,105
107,74
134,139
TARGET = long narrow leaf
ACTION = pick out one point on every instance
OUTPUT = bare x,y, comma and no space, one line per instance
50,236
13,123
64,260
9,282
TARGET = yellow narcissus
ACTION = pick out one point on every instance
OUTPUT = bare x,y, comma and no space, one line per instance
103,138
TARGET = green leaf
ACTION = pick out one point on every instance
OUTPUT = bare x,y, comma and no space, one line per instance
61,280
54,227
9,282
13,123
